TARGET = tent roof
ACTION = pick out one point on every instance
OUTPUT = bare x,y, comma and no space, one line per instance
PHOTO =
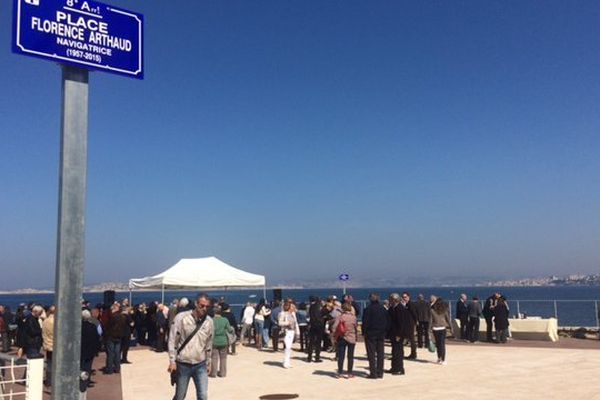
207,272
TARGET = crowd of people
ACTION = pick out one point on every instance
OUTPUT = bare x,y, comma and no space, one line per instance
495,311
200,335
332,325
110,328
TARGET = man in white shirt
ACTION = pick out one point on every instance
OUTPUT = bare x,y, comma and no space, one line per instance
247,321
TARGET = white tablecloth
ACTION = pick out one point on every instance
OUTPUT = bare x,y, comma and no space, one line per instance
524,329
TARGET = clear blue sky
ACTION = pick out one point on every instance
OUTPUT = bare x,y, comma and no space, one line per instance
300,139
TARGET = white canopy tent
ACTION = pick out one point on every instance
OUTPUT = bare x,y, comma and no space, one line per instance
199,273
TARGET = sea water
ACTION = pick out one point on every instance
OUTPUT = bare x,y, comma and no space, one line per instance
575,305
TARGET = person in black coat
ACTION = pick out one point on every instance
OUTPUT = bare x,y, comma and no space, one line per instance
151,324
488,314
90,342
395,336
408,316
162,326
375,325
227,313
316,329
20,317
33,333
125,341
140,325
501,320
462,313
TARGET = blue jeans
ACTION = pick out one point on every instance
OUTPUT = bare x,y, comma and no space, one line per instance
265,336
341,354
113,357
198,373
258,331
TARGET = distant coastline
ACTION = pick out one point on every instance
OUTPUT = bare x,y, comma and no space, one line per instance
450,282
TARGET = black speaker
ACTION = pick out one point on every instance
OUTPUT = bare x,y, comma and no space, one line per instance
277,294
109,297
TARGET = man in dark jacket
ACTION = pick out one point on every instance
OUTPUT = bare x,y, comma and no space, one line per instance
488,314
316,328
375,324
113,335
162,325
275,332
33,333
408,317
90,342
423,311
501,320
462,313
125,340
395,335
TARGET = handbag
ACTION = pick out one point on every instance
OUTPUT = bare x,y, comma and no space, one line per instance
231,336
431,347
340,330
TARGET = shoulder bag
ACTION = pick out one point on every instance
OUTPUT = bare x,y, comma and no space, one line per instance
174,374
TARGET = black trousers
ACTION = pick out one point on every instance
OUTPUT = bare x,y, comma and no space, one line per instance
327,345
473,329
397,355
275,337
303,337
160,341
315,337
124,348
423,333
374,347
440,343
488,329
463,327
413,344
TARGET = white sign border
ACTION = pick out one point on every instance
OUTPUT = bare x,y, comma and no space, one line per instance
108,67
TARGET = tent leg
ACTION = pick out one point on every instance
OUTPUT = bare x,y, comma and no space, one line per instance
130,299
265,292
162,296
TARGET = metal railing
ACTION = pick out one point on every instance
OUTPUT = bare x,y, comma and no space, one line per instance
569,313
21,379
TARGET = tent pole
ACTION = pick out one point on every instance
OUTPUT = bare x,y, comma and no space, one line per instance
265,292
162,296
130,299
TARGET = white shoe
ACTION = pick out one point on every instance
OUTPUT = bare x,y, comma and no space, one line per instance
443,363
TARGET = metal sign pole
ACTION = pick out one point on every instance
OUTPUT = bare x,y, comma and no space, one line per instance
71,232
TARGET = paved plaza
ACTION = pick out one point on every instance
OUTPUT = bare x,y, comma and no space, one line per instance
476,371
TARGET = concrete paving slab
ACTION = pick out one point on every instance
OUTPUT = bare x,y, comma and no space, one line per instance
473,372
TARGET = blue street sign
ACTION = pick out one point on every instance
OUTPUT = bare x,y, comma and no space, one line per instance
83,33
344,277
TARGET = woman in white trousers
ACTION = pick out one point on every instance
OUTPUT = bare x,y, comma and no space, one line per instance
288,322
